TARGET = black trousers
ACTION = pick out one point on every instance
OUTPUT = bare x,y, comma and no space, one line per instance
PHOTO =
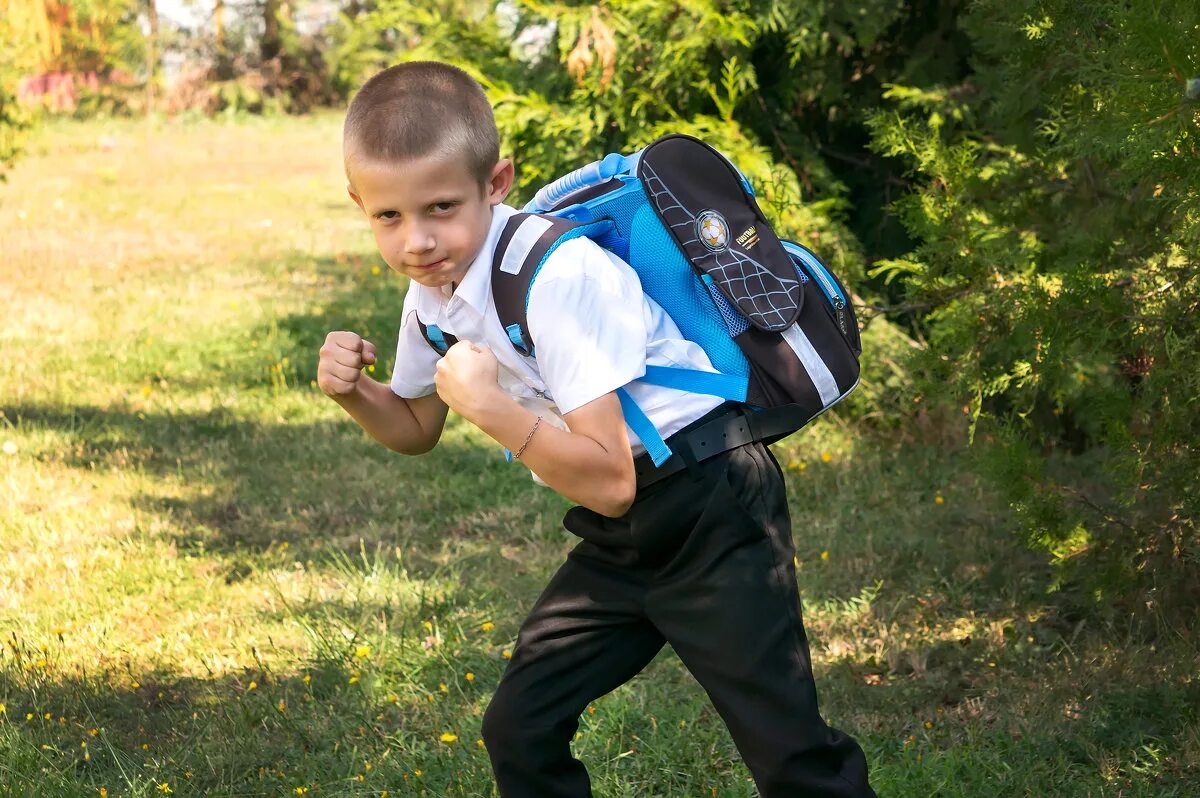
703,561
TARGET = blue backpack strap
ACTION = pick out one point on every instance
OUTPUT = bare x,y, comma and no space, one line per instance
644,428
526,242
726,386
433,335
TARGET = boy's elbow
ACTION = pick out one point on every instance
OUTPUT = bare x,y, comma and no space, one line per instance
413,446
620,494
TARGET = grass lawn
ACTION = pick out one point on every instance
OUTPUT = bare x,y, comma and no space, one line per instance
212,583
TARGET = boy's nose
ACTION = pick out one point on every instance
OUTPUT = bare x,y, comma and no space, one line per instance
417,242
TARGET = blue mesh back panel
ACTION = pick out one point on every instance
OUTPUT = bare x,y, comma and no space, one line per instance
669,278
736,322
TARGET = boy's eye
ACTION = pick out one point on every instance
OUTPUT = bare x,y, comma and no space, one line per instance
443,207
387,215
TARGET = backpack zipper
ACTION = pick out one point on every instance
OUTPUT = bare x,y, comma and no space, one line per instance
827,285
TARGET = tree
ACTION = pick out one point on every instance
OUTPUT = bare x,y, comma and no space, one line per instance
1058,215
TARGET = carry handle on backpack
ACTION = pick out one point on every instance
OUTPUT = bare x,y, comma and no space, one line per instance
592,174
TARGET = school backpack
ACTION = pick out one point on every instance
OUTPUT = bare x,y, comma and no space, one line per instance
775,322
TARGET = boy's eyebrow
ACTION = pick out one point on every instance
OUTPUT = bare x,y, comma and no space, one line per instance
437,200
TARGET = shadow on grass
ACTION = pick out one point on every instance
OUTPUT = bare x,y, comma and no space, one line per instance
237,487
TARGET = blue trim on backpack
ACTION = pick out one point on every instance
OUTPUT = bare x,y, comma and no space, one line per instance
436,338
824,278
713,383
644,428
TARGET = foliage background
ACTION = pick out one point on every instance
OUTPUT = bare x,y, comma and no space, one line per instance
1009,186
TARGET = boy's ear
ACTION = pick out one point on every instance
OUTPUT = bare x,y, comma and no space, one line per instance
357,199
500,182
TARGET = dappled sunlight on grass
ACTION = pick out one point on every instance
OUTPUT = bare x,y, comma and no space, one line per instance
208,566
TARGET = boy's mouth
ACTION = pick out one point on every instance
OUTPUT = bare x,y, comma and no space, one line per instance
429,266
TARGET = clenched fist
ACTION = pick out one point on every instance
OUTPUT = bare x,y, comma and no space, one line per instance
467,378
343,356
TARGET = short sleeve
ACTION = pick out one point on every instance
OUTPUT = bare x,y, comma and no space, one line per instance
416,361
587,321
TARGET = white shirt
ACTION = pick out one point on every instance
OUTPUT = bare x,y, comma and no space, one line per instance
593,330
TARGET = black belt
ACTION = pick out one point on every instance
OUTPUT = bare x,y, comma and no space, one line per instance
729,428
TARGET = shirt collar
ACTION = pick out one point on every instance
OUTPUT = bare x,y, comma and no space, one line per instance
476,287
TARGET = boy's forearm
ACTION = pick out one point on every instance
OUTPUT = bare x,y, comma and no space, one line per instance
574,465
387,418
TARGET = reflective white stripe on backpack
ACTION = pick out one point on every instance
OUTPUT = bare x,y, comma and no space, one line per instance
818,372
522,242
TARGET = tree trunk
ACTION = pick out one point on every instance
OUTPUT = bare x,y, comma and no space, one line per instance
271,42
151,54
224,67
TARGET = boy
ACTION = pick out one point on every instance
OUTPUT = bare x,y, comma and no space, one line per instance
701,559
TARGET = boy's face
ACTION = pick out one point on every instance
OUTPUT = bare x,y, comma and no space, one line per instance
430,216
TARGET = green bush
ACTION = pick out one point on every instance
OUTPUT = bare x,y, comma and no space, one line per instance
1058,215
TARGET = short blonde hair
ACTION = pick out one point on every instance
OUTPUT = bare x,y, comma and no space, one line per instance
422,108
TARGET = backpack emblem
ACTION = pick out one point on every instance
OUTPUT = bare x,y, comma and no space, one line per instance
712,230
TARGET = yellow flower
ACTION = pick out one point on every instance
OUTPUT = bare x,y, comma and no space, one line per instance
362,651
418,773
252,686
470,676
825,555
488,626
479,742
938,499
393,698
48,715
103,792
507,654
428,626
300,790
353,679
383,794
28,716
135,685
360,778
3,709
374,270
282,705
826,457
447,737
307,679
442,686
928,724
93,732
165,787
187,774
145,746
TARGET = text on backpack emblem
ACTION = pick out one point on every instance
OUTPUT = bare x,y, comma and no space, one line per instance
712,230
748,239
